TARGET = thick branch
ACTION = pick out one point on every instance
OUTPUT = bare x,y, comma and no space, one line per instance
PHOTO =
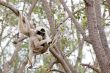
101,27
11,7
95,37
16,11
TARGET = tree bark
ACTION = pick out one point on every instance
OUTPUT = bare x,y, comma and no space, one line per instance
101,27
95,37
108,1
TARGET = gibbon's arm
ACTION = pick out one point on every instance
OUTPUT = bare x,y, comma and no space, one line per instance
49,40
24,28
38,44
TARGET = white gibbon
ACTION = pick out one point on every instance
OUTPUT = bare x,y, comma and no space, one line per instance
39,40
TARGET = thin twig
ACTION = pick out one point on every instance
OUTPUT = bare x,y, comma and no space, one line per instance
92,67
57,70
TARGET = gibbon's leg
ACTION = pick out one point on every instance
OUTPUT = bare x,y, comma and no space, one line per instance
23,27
39,43
34,59
30,57
40,46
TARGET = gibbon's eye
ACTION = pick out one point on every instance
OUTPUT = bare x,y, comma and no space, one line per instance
42,30
38,32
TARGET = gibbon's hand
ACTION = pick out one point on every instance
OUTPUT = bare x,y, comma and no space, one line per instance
49,40
14,42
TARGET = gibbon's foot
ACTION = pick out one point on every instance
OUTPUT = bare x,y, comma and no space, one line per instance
29,66
35,66
32,67
14,42
49,40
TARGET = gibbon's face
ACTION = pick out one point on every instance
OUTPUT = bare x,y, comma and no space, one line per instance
41,32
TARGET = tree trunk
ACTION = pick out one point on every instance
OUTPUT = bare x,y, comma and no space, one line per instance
101,27
95,37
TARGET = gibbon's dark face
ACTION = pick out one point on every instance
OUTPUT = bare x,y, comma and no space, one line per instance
41,32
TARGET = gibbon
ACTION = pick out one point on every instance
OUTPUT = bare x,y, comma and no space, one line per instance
39,40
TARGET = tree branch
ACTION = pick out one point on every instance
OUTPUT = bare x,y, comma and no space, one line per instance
100,26
77,24
57,70
16,11
32,7
57,55
11,7
22,66
7,64
92,67
95,37
108,1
